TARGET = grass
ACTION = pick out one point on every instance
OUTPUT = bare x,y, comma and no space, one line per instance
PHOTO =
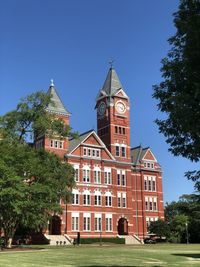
106,255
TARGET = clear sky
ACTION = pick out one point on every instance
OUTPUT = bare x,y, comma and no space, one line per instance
72,42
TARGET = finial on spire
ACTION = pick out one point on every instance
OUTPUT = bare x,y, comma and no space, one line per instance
52,83
111,62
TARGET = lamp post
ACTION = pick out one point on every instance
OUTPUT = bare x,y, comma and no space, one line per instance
187,237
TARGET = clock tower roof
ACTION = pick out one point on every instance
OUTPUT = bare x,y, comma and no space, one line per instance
56,106
111,86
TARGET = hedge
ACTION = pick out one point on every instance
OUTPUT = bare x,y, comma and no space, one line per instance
114,240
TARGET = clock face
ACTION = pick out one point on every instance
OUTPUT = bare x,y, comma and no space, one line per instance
120,106
101,108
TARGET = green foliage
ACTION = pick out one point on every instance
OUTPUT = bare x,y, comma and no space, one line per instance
32,182
159,228
179,92
177,214
30,119
114,240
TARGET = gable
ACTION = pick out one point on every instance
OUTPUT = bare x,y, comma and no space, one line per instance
91,140
149,156
121,93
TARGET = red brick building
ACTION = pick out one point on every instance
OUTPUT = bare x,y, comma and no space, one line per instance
118,188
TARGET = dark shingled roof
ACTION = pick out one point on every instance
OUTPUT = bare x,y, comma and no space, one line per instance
111,85
137,153
56,106
73,143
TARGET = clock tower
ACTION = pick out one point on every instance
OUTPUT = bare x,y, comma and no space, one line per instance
113,119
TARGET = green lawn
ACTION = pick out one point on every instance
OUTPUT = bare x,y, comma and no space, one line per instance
115,255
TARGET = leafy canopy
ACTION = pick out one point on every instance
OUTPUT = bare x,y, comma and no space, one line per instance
179,92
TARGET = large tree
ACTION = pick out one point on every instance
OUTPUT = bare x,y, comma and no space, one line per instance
177,214
32,182
179,92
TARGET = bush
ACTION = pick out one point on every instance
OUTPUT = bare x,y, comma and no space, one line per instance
114,240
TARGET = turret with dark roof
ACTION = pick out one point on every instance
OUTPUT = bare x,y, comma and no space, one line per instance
56,106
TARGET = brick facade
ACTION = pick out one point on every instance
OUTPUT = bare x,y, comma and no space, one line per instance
118,188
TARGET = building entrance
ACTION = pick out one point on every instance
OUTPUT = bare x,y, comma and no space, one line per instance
122,226
55,225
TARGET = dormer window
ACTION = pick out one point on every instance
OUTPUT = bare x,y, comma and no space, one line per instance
149,165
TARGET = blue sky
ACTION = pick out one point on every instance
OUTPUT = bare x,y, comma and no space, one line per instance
72,42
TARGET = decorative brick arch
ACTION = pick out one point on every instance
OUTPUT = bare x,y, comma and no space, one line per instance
122,225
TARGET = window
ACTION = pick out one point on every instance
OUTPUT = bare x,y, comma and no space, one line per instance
85,152
86,223
75,221
108,224
154,185
124,132
123,179
91,152
97,176
146,204
86,199
149,165
97,224
75,199
86,175
116,129
117,151
97,200
155,204
120,130
108,201
107,176
150,205
118,179
56,144
150,185
123,150
124,201
145,184
119,201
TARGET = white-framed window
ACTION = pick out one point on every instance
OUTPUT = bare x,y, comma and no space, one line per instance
97,175
86,174
107,176
145,184
150,204
154,184
155,203
118,178
91,152
117,151
109,227
124,200
108,197
146,203
97,198
97,222
75,197
149,165
149,182
56,143
123,152
75,221
121,177
86,221
121,200
86,198
76,174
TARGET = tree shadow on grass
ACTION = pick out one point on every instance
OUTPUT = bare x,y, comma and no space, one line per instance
196,256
